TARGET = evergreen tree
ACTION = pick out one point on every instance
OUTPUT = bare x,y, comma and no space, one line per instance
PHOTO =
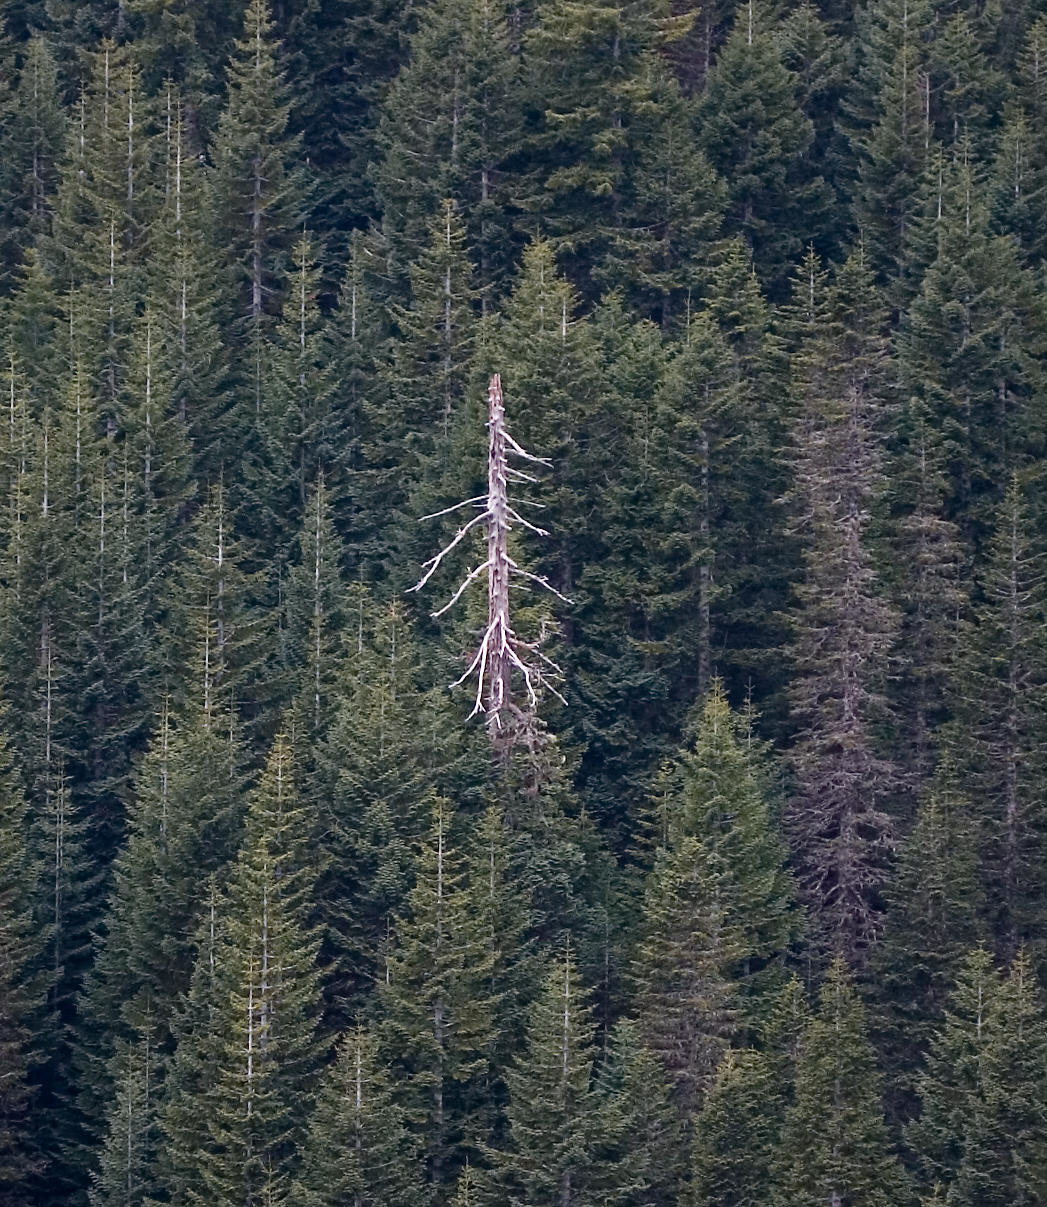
360,1150
1001,680
949,1084
720,797
755,135
255,188
932,922
834,1143
437,1016
688,950
979,389
21,991
840,830
1005,1152
33,136
235,1138
558,1121
593,80
462,149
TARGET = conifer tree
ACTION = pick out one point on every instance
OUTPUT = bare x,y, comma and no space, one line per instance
235,1138
979,390
834,1144
1005,1150
932,923
688,951
437,1014
736,1132
360,1151
890,125
720,797
411,446
592,74
461,149
644,1129
755,136
839,828
32,146
557,1119
255,188
950,1083
21,991
1001,681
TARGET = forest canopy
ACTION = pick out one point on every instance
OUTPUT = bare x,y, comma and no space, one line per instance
523,603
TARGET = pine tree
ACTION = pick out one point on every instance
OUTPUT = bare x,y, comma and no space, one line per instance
837,821
736,1132
645,1133
592,77
834,1145
360,1150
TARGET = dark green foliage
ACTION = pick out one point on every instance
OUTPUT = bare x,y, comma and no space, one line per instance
834,1143
280,924
755,134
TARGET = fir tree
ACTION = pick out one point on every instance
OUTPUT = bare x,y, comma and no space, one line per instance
234,1139
932,922
755,135
437,1016
21,991
557,1119
1005,1153
360,1150
834,1145
840,830
1001,680
33,138
949,1084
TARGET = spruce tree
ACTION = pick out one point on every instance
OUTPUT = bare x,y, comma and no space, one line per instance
255,189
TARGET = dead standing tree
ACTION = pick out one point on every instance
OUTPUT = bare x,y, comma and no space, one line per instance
501,650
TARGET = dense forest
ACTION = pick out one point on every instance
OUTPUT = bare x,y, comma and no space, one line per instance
523,603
